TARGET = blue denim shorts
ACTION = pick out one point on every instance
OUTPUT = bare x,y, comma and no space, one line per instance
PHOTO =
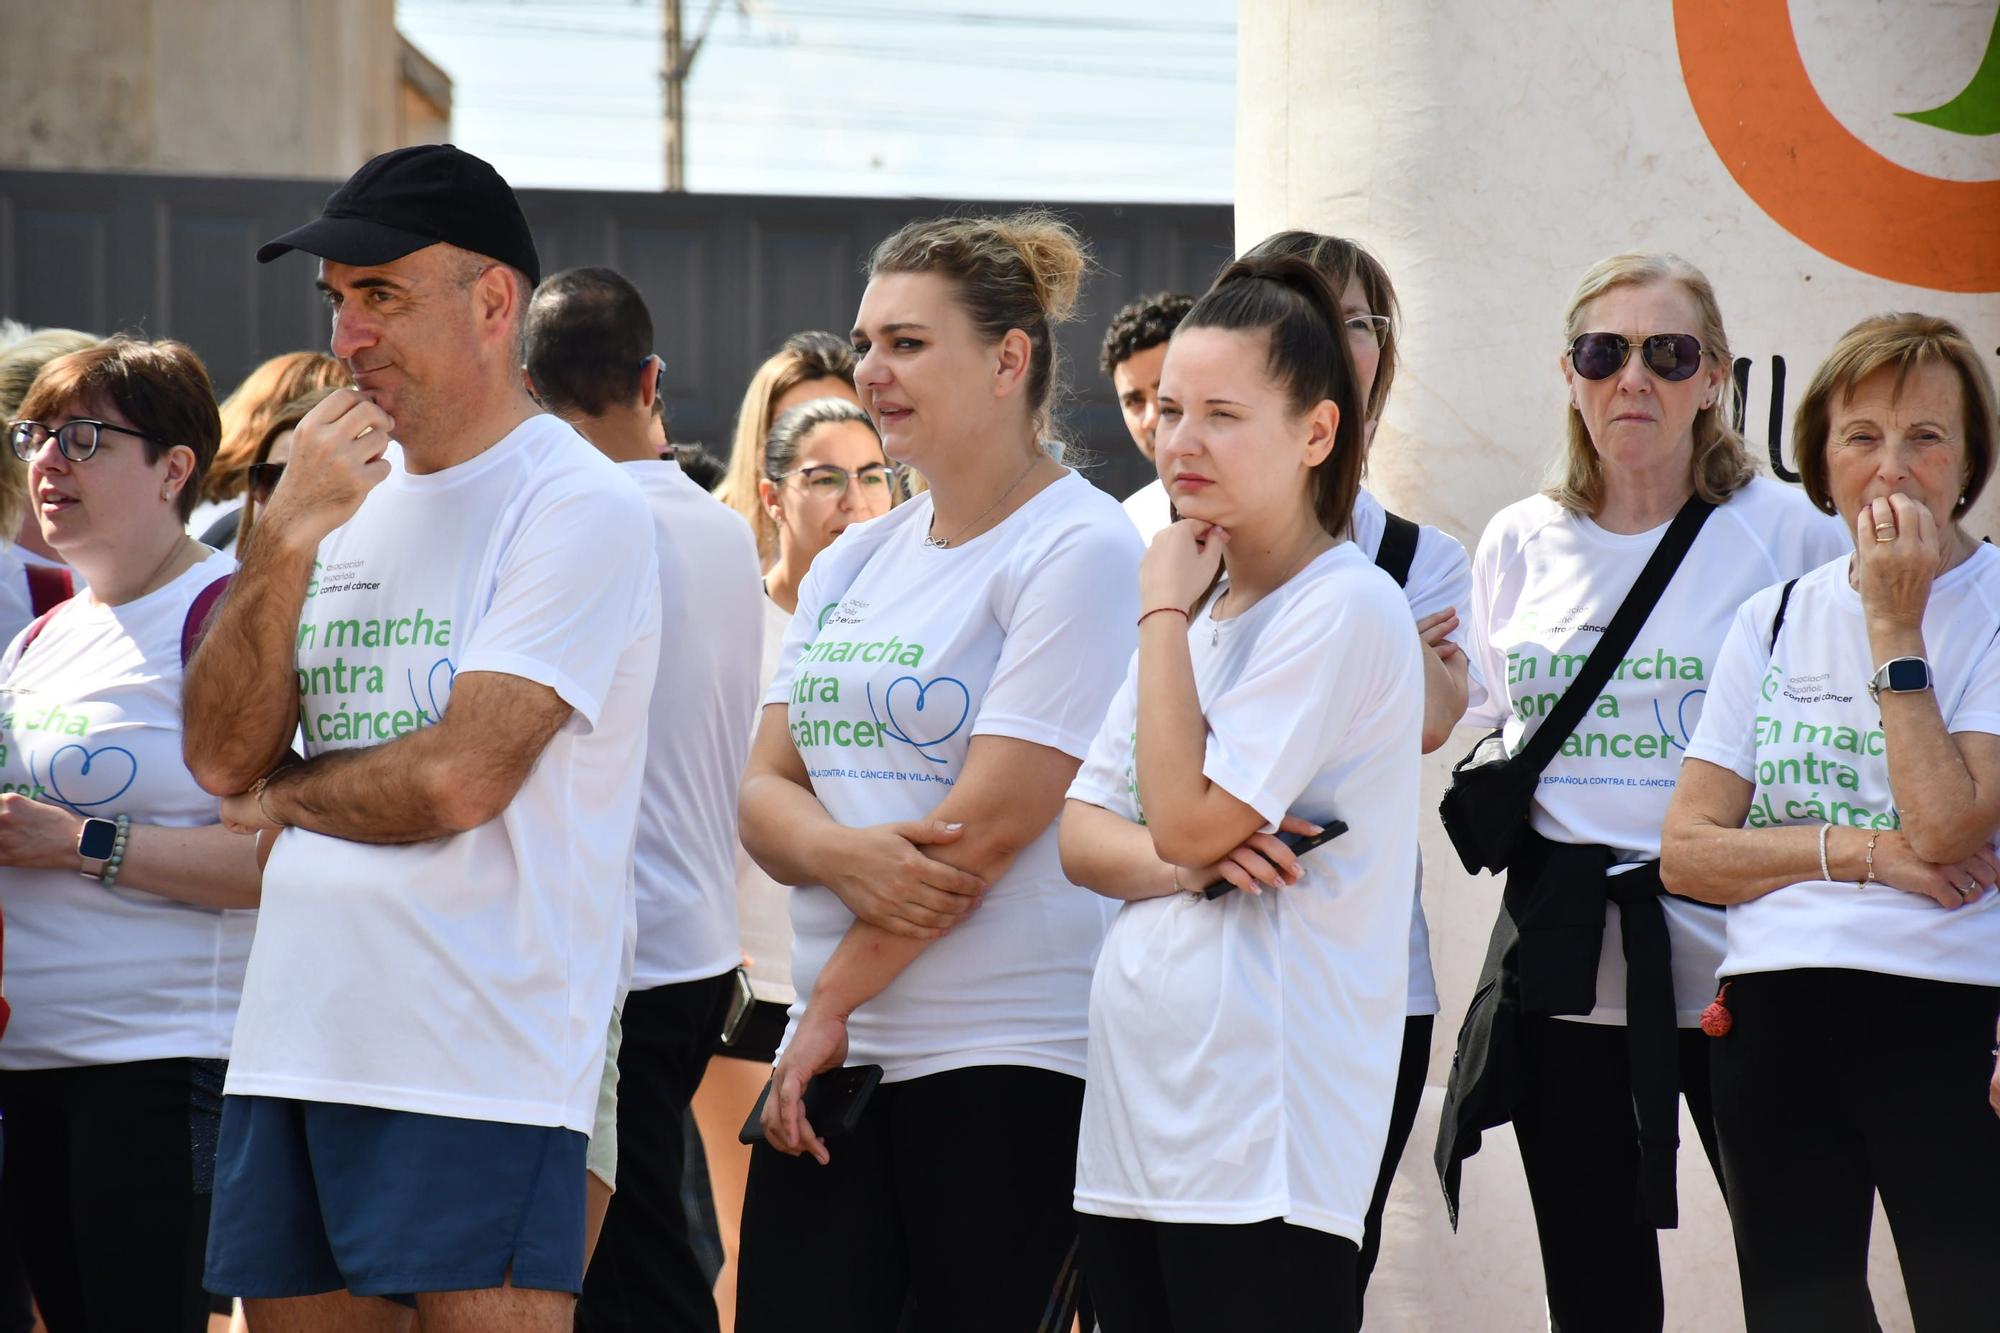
317,1196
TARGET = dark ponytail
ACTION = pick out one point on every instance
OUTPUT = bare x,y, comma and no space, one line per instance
1290,301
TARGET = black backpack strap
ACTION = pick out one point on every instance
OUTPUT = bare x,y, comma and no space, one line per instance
1398,549
1618,636
1778,620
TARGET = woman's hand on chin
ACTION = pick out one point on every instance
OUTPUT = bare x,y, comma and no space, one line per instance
1180,564
1899,549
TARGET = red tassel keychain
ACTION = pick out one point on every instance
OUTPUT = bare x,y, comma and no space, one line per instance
1715,1020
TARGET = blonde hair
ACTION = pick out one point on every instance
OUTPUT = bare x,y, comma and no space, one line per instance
805,357
1720,465
1900,342
248,412
20,362
1021,271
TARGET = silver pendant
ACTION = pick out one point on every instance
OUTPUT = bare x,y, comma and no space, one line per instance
933,544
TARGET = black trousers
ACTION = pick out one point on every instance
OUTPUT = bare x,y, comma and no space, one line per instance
1833,1085
1410,1071
644,1275
1183,1277
947,1210
1580,1149
106,1184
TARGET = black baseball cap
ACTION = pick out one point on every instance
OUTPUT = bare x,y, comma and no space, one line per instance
409,198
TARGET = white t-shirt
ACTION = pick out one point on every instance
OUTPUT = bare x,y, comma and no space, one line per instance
898,656
1545,583
711,638
1150,509
90,719
471,975
764,906
1798,723
1440,578
1243,1052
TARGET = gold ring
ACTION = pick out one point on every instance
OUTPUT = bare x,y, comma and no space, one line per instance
1885,532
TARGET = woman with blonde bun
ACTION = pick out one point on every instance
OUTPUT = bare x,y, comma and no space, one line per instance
941,682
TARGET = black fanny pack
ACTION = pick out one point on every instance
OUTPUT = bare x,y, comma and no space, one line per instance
1491,794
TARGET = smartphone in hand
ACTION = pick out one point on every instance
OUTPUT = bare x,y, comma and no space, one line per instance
1300,843
834,1102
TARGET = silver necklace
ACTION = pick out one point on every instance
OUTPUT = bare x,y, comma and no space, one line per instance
940,543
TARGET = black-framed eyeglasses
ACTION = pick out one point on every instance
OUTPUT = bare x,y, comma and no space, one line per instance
830,483
1368,328
75,439
262,479
1672,356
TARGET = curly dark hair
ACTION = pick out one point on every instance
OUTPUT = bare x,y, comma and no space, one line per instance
1147,322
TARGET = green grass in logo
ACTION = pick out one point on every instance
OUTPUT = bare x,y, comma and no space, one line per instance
1976,109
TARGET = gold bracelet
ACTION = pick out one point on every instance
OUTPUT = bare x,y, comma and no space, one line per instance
257,792
1870,877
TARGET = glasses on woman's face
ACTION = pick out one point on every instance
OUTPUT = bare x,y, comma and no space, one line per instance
1367,330
1672,356
75,439
827,482
263,479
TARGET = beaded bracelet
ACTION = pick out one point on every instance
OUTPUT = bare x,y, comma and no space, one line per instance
1824,872
108,876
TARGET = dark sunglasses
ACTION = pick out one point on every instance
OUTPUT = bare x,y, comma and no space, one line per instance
264,480
1671,356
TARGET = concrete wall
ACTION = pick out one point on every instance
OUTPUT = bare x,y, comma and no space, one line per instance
265,87
1488,155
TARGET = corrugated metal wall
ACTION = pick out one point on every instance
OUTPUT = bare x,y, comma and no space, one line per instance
727,276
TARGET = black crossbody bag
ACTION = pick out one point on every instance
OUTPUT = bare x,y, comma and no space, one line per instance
1487,804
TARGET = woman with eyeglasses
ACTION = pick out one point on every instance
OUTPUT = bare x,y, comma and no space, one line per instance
266,465
1436,579
1841,799
126,902
824,470
1547,1044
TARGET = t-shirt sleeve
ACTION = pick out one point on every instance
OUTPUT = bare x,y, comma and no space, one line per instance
1334,656
1440,579
1486,695
1979,707
559,617
1068,619
1726,736
1106,776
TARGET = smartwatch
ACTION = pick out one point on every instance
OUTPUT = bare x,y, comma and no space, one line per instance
95,844
1900,675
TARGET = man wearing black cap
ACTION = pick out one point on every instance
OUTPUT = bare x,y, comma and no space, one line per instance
447,911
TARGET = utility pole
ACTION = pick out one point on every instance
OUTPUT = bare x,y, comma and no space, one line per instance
674,72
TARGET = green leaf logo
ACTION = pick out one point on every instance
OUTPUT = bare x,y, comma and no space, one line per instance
1976,110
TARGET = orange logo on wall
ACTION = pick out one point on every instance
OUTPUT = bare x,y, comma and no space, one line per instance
1815,178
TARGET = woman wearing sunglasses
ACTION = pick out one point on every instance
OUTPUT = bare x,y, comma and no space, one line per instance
1841,798
1647,369
124,897
266,465
824,470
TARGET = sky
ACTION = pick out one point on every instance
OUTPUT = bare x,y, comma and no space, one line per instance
1058,100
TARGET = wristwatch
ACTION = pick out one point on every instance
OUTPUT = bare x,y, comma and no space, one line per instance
1900,675
95,844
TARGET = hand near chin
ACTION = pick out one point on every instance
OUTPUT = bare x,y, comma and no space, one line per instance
1898,551
1180,564
336,460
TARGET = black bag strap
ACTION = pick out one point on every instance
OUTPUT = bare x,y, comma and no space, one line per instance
1618,636
1398,549
1778,620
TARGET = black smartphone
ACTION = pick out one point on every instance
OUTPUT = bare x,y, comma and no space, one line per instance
834,1102
1300,843
741,1003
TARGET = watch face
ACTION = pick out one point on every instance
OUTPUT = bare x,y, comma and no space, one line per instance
1908,675
99,836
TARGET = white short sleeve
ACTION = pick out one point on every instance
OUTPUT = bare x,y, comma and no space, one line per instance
1105,778
1726,735
1440,579
560,617
1979,707
1486,696
1069,633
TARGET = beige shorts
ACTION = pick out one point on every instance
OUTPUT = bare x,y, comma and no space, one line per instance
602,1159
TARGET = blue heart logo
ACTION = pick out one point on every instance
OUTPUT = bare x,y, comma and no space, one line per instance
943,703
440,668
87,779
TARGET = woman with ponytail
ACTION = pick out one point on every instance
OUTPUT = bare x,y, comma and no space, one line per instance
946,669
1244,1047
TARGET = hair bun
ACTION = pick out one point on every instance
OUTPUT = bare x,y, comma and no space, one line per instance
1054,256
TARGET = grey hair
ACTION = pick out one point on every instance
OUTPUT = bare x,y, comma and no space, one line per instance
790,431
